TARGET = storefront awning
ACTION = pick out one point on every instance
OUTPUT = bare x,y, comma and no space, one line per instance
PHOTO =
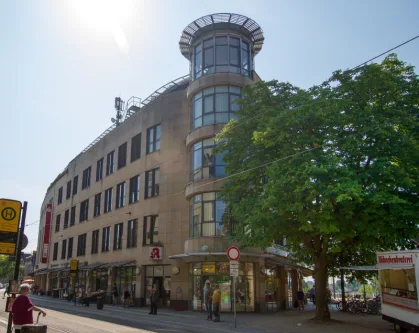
268,258
41,271
91,266
378,267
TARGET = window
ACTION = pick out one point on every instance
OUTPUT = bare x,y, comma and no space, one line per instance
152,183
75,184
132,234
60,195
70,248
117,237
110,163
68,192
214,105
204,163
86,178
208,56
81,245
99,169
120,195
151,230
84,210
207,216
96,209
73,216
55,254
122,155
66,218
57,223
399,285
95,241
134,189
108,200
221,54
63,249
106,239
136,147
198,61
153,139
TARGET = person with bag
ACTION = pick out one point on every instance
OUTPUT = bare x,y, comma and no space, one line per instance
154,298
127,297
22,309
216,299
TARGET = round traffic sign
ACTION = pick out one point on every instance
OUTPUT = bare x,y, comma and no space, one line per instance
8,214
233,253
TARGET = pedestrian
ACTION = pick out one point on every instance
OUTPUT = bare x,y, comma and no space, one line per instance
154,298
6,291
300,300
115,294
22,308
127,296
208,299
216,299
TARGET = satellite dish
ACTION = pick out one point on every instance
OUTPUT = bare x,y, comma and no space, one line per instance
113,120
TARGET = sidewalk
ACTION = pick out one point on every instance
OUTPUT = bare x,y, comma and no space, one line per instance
291,321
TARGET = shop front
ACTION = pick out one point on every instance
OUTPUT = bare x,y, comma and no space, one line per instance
219,273
160,275
125,277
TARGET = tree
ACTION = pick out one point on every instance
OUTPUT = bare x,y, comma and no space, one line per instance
339,165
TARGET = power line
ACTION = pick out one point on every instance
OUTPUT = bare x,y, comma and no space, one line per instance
396,47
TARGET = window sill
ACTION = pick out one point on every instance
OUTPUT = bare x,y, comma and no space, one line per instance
117,250
154,151
154,196
131,247
134,202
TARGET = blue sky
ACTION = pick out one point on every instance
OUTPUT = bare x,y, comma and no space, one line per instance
62,64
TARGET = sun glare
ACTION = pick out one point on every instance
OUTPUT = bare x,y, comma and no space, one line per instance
104,18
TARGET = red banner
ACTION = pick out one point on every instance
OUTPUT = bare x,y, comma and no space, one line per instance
47,229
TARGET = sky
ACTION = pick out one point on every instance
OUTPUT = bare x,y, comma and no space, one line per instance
62,63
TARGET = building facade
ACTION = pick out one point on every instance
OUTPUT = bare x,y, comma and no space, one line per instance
140,205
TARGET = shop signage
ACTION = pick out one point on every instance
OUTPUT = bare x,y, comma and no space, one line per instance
398,259
47,230
155,253
74,266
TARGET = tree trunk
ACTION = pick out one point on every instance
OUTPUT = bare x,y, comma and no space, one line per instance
342,287
320,273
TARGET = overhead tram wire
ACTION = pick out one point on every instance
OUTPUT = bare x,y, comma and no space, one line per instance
265,164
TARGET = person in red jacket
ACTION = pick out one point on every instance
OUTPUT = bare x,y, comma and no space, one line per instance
22,308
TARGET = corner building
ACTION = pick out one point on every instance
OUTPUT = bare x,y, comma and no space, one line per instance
140,206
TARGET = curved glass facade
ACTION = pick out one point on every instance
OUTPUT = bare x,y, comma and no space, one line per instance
214,105
221,54
204,163
207,212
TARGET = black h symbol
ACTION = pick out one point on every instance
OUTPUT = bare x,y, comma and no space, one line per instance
9,213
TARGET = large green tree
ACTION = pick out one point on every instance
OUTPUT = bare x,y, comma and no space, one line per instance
340,165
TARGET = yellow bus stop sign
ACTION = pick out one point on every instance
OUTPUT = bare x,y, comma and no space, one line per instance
9,225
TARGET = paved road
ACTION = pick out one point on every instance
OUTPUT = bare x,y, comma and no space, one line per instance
64,317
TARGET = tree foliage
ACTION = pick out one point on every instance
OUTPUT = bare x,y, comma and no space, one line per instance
341,163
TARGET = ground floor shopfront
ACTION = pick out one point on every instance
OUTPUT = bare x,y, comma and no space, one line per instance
265,283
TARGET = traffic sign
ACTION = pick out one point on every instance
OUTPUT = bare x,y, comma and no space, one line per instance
74,267
9,225
9,215
234,272
233,253
234,264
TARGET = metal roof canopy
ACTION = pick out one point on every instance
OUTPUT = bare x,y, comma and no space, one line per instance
229,21
378,267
